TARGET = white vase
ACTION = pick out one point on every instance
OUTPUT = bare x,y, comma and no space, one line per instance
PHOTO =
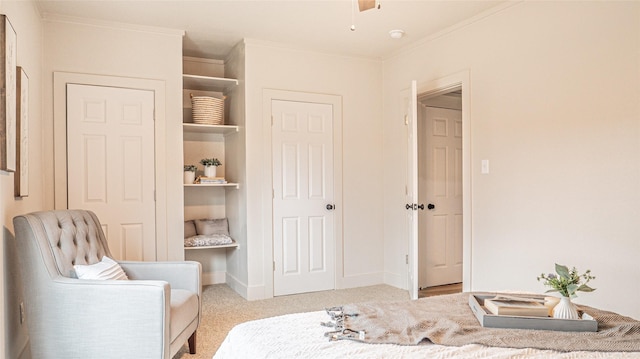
189,177
565,309
209,171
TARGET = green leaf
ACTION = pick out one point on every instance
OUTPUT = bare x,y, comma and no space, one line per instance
562,271
585,288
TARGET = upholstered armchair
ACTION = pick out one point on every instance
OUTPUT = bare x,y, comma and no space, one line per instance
151,315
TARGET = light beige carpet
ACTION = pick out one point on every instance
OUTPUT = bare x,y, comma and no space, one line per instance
222,309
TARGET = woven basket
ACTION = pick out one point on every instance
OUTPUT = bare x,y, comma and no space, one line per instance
207,110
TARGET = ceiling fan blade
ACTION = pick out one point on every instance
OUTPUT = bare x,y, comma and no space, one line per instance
366,4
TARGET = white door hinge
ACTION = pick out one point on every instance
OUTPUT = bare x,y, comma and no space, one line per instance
406,259
274,266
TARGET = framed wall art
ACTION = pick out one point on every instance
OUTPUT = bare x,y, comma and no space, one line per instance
21,176
8,44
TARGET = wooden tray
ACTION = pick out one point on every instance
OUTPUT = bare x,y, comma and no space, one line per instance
486,319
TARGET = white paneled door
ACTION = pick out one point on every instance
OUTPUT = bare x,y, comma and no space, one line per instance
303,216
110,161
440,224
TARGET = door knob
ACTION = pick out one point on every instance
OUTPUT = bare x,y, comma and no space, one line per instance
431,206
330,207
408,206
421,206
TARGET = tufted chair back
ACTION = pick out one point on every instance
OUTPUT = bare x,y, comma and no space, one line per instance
70,237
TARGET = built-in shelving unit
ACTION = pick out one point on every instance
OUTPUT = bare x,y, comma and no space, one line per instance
204,136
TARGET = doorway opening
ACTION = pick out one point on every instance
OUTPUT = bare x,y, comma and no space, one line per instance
440,224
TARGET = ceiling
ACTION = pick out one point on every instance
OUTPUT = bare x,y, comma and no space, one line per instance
213,27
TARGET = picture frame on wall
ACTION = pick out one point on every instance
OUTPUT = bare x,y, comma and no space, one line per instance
21,176
8,45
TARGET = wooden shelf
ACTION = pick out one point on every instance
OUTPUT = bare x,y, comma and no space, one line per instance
198,128
207,83
232,245
236,185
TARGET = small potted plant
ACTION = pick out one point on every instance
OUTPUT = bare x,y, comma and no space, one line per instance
210,165
567,283
189,174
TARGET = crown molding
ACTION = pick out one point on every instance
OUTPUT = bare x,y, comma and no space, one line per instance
48,17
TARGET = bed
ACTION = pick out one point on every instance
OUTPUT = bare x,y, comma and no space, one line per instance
302,336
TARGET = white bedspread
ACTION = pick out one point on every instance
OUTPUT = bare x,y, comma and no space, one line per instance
302,336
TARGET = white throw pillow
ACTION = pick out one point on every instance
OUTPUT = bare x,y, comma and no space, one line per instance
106,269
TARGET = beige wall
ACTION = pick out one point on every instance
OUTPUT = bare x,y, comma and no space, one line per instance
554,107
92,49
26,22
358,82
77,46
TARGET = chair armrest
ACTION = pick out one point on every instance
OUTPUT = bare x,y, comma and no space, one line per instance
125,319
180,275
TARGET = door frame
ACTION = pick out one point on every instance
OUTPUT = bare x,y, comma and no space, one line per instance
267,170
440,86
60,81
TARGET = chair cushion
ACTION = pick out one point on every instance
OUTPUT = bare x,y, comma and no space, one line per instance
184,310
103,270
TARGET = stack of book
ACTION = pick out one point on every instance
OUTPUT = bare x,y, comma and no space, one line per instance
517,306
211,180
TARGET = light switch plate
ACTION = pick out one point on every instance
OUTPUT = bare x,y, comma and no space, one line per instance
485,167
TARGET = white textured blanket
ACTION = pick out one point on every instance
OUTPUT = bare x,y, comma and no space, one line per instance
302,336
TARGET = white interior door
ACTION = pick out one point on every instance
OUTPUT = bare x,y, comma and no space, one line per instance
303,216
440,190
411,115
110,162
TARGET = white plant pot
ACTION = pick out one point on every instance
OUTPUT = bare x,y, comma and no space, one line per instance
189,177
209,171
565,309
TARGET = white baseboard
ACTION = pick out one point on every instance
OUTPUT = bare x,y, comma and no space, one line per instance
395,280
236,285
360,280
213,278
256,293
355,281
248,293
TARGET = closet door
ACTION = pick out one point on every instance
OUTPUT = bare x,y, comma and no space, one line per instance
303,216
110,164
